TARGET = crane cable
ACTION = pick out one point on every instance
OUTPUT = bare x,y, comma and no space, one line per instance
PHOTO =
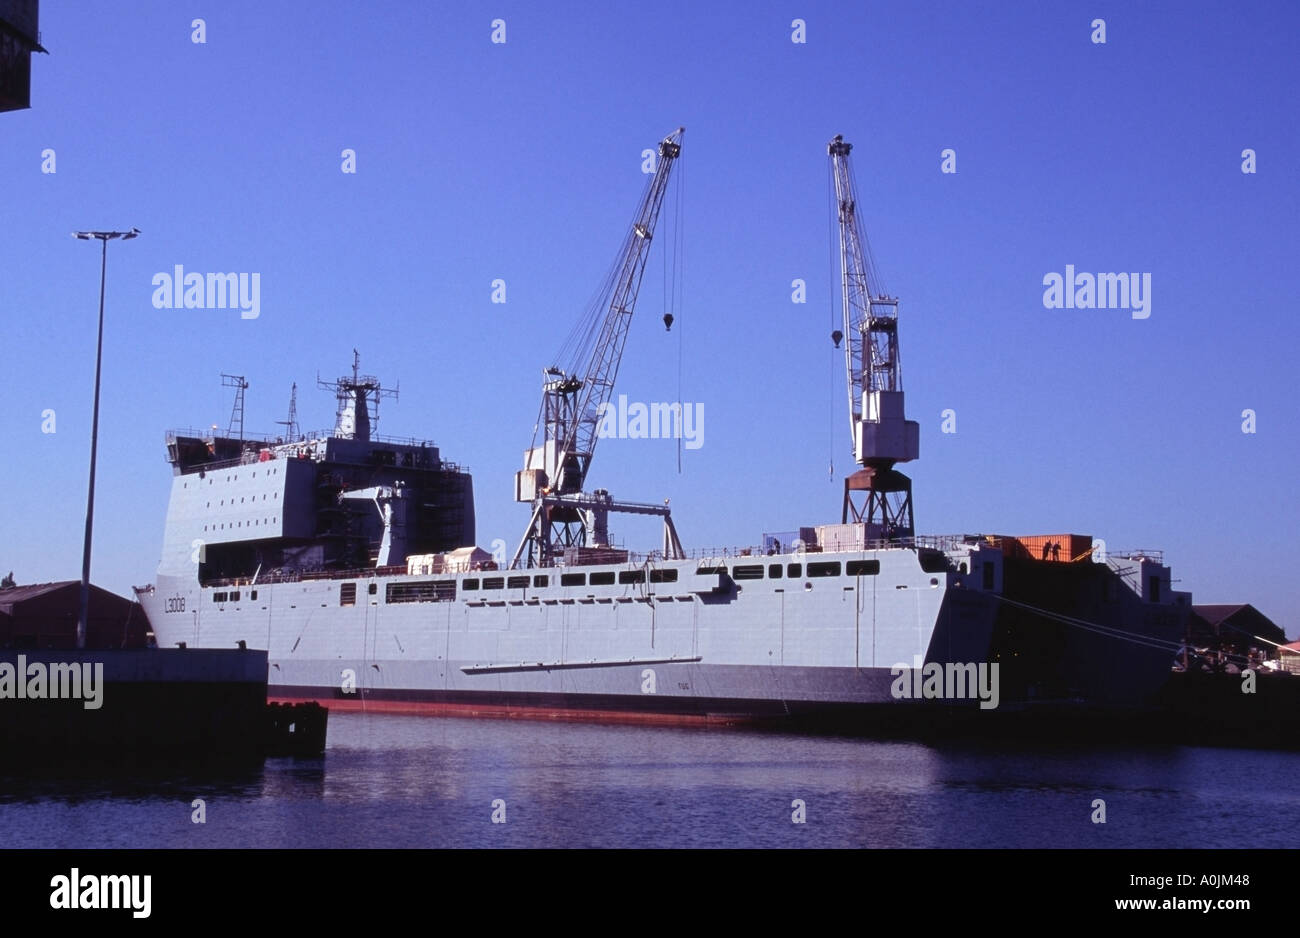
831,218
679,286
1136,637
1103,630
674,290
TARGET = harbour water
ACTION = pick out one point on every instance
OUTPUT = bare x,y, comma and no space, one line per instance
420,782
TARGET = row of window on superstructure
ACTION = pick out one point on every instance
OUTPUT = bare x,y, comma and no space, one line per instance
416,591
233,596
235,477
445,590
240,524
222,502
774,571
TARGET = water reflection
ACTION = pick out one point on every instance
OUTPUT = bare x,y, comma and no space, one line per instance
423,782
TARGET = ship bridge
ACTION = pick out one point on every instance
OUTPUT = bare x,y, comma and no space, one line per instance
244,505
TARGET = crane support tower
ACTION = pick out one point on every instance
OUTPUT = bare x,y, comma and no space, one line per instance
573,400
877,494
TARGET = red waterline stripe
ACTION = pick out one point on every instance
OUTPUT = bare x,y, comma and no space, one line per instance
435,708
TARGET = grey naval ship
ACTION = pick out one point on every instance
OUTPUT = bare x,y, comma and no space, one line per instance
350,558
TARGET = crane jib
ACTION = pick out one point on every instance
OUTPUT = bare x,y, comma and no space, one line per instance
571,408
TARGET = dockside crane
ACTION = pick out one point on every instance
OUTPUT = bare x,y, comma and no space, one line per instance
574,399
877,493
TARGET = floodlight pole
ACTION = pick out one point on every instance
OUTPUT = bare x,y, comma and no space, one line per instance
83,613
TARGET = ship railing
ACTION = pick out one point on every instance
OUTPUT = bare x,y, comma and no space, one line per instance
402,440
281,447
279,439
636,559
252,443
262,579
247,459
355,573
412,441
936,542
209,433
255,456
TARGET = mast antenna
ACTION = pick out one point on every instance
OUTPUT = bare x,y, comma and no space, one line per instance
237,412
291,425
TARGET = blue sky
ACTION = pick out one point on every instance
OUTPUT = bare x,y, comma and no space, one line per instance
521,161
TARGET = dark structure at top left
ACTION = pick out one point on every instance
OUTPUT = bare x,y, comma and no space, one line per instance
19,38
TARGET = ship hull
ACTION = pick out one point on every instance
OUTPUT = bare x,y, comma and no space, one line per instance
703,648
698,651
694,693
1028,720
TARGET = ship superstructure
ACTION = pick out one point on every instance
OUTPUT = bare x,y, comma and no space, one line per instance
270,507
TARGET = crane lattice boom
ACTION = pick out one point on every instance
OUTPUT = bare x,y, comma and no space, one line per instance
573,401
598,384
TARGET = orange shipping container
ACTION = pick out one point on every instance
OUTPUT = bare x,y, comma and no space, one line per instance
1062,547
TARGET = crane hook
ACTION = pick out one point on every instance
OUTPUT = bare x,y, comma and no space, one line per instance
668,322
836,336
